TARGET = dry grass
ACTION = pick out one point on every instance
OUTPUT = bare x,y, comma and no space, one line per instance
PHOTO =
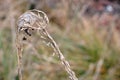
38,20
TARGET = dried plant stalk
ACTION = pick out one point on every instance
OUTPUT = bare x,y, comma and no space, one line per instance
36,20
60,55
19,55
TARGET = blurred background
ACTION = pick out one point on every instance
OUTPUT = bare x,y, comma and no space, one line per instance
87,32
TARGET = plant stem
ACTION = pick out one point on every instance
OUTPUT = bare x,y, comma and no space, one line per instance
19,56
64,62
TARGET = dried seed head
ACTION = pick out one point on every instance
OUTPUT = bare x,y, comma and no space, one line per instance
34,19
37,20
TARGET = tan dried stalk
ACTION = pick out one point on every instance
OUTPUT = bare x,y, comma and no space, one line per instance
37,21
60,55
19,56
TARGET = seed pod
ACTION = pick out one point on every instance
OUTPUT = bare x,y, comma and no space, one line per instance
32,19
